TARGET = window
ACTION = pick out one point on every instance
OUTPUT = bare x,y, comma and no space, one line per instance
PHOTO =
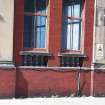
35,34
35,23
71,34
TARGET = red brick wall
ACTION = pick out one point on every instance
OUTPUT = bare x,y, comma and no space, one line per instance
18,30
88,31
50,82
99,83
55,27
86,82
35,83
7,83
47,82
41,82
55,30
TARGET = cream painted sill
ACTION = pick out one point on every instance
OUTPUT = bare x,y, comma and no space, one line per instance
43,53
72,54
55,68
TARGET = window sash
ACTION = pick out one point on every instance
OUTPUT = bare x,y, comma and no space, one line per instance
71,25
35,28
35,6
72,10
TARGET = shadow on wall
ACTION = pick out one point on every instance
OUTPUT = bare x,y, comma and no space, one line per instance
1,18
21,86
83,84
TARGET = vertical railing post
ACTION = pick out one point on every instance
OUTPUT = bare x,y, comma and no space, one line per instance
81,59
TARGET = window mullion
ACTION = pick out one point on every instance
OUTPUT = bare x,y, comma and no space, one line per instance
79,35
35,32
71,26
40,32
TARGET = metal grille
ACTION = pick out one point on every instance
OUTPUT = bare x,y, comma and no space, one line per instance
34,60
67,61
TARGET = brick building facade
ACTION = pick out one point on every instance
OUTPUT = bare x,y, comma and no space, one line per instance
46,43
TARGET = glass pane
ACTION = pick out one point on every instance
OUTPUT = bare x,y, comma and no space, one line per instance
72,8
40,32
38,37
71,35
69,38
29,5
64,35
77,10
67,11
38,21
76,37
28,30
43,32
40,6
43,20
40,43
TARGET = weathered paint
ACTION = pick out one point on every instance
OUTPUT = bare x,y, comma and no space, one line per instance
6,29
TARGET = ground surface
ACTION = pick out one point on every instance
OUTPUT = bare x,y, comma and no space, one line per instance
54,101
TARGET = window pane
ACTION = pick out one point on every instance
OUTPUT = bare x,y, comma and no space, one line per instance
76,39
43,21
41,6
38,41
69,36
38,21
64,35
68,10
40,32
43,37
72,8
35,6
29,5
77,10
28,30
